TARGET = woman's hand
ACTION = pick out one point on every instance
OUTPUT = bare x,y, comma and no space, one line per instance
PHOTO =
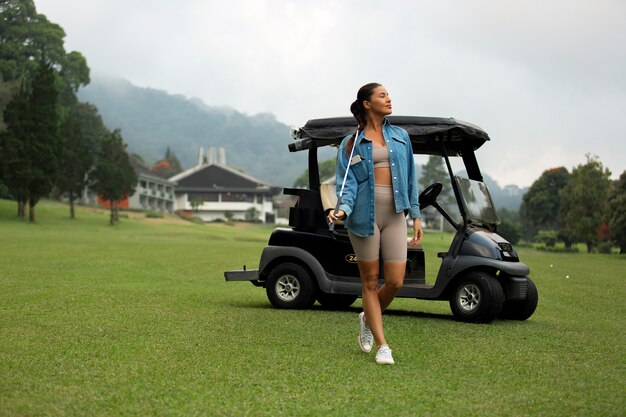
418,233
332,217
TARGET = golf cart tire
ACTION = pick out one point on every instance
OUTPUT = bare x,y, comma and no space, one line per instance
336,301
477,297
523,309
289,286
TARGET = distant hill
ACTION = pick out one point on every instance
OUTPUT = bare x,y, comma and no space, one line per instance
152,120
507,197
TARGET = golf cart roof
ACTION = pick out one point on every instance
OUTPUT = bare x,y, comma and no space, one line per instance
426,133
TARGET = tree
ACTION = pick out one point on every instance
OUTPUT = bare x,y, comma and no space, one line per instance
26,38
327,169
584,201
511,231
82,133
46,145
195,204
91,125
252,215
76,160
7,90
14,156
434,171
31,145
168,166
541,205
74,73
617,212
114,177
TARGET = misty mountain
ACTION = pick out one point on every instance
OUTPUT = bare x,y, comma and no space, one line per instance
153,120
507,197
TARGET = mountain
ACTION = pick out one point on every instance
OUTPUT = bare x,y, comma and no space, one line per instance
508,197
152,120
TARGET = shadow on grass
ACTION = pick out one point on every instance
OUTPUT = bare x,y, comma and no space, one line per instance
265,305
420,314
352,310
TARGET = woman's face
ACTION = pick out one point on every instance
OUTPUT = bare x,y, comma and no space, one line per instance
379,102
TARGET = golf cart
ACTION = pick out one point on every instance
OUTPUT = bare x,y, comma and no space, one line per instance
480,274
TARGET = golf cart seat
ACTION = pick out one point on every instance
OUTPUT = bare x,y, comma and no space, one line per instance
328,195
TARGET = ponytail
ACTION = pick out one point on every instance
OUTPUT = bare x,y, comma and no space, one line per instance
358,111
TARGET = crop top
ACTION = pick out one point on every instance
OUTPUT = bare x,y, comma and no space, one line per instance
380,157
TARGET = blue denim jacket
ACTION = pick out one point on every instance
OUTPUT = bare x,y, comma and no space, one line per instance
357,200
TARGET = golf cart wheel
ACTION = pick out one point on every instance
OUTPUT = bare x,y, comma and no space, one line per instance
290,286
521,310
477,298
336,301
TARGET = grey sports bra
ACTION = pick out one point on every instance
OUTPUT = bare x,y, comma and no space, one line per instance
380,157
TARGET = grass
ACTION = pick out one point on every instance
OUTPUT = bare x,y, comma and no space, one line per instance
137,319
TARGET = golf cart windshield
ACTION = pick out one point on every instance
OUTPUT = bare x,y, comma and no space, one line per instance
477,202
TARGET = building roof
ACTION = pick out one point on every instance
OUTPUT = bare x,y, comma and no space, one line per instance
214,177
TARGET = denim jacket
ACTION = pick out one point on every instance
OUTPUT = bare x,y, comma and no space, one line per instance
357,200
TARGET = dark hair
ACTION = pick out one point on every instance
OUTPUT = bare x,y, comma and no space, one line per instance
358,111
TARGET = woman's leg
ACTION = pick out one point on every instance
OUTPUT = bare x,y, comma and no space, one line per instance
394,278
393,238
369,271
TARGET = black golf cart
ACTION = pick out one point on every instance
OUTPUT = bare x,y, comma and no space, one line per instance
480,274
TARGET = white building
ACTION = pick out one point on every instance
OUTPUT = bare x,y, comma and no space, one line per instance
211,189
152,192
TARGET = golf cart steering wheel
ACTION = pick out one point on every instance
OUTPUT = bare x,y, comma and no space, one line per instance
429,195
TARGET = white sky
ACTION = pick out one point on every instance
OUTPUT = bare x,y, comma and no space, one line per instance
545,79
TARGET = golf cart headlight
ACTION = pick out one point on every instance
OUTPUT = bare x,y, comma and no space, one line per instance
505,247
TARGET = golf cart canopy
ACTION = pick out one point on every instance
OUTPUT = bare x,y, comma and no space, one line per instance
427,134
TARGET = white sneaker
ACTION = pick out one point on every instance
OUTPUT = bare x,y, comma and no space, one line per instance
383,356
366,339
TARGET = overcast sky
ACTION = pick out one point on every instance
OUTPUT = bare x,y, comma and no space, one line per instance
545,79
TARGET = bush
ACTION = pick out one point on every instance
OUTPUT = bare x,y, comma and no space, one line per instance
189,217
511,231
4,191
605,247
547,237
557,249
154,215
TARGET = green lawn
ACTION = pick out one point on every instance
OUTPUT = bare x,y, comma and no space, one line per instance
137,319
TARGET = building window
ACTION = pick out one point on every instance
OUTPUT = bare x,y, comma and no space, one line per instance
241,197
203,196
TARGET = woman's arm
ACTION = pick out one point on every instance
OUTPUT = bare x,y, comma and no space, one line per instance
349,192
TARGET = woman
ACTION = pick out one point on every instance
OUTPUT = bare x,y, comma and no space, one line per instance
380,187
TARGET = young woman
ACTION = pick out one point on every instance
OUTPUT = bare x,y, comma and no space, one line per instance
380,187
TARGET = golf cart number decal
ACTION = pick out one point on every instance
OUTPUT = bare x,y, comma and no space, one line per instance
351,258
